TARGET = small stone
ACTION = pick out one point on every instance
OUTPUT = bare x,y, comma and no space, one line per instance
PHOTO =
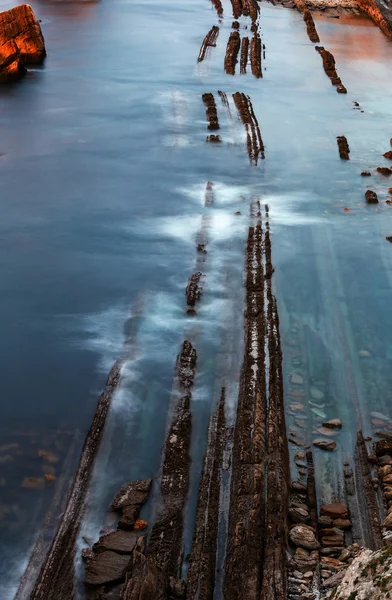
140,524
177,587
308,575
319,413
327,432
48,456
387,522
299,515
371,197
296,379
324,521
316,394
333,424
49,478
365,174
384,171
325,444
300,456
297,486
302,536
344,555
364,353
380,416
335,510
33,483
342,523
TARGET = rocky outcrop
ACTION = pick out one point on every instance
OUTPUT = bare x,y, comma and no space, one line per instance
21,42
368,576
208,42
253,136
56,578
232,50
381,13
330,69
344,148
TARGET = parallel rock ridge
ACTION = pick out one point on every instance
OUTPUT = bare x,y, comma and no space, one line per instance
21,42
56,578
255,563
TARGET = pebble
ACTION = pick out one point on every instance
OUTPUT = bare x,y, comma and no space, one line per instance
326,444
296,379
319,413
316,393
364,353
333,424
308,574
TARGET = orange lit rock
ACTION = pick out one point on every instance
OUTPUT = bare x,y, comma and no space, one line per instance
375,11
139,524
21,42
49,478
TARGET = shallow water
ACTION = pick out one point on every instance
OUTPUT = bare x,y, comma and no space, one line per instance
101,186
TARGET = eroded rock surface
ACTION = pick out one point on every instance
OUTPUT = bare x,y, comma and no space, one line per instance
21,42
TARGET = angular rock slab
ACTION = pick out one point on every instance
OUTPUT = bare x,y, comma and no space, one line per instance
123,542
21,42
106,567
131,494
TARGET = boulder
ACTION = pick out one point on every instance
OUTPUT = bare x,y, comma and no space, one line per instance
21,42
342,523
106,567
303,536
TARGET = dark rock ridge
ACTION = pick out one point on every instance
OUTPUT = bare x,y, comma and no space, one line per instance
255,55
257,528
254,141
371,197
208,42
330,69
56,578
244,54
232,50
202,561
193,289
310,26
21,42
344,149
211,112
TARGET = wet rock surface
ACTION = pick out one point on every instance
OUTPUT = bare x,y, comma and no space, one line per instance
211,111
330,69
371,197
344,149
208,42
244,54
193,289
21,42
232,50
254,140
255,55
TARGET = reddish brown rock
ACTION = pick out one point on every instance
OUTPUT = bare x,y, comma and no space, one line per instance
133,493
366,174
232,50
384,171
344,149
372,8
21,42
388,154
337,510
371,197
333,424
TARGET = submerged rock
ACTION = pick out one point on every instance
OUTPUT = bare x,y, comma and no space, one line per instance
325,444
333,424
21,42
371,197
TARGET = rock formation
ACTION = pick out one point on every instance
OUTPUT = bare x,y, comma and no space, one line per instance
368,576
21,42
381,13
